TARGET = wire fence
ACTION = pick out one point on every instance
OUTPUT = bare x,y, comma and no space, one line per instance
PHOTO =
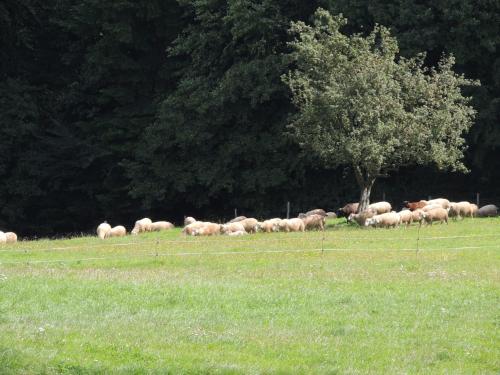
326,241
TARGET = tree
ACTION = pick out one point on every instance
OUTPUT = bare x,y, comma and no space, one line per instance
360,105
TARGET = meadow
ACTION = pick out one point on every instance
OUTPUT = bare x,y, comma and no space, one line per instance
346,301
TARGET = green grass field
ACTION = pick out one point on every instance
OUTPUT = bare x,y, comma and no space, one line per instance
266,303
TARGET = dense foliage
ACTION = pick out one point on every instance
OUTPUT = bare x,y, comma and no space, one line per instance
122,108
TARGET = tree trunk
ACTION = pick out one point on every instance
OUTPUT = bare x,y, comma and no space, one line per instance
364,198
365,182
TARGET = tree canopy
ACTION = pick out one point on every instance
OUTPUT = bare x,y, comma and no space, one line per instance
361,105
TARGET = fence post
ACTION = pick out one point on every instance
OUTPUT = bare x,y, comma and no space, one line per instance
288,210
477,199
235,213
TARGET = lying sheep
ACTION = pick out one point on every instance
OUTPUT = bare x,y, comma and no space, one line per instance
405,217
236,219
102,229
232,227
142,225
385,220
208,229
436,214
314,222
3,238
460,209
237,233
418,216
189,220
489,210
118,231
290,225
192,227
380,207
11,237
249,224
161,225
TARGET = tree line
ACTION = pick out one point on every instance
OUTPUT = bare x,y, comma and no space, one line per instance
113,110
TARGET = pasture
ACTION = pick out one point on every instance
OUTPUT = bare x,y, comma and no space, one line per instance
347,301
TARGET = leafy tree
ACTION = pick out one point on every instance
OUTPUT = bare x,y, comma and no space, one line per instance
360,105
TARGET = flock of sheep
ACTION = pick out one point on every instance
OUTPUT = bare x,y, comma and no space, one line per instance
378,215
436,210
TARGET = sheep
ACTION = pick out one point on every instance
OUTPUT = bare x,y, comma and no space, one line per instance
161,225
118,231
316,211
445,203
11,237
436,214
331,215
249,224
102,229
232,227
208,229
314,222
192,227
431,207
142,225
189,220
380,207
236,219
349,208
3,237
290,225
237,233
267,225
412,206
475,209
460,209
418,215
361,217
406,217
489,210
385,220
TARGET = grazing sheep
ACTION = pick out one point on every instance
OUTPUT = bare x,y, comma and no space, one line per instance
267,226
361,217
3,237
406,217
236,219
237,233
249,224
489,210
460,209
314,222
102,229
418,216
118,231
142,225
161,225
290,225
189,220
412,206
11,237
431,207
231,227
436,214
380,207
349,208
385,220
445,203
208,229
316,211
